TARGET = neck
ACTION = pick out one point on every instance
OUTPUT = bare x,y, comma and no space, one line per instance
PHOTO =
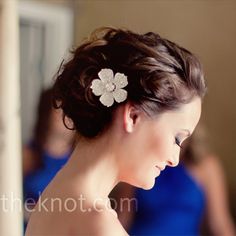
94,167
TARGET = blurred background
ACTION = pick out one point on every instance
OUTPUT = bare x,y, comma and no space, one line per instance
41,32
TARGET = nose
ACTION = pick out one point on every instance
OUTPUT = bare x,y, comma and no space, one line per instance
174,161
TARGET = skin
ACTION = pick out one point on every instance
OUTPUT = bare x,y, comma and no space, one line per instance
208,173
94,172
58,142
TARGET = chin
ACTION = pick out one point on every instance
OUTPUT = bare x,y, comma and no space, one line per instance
147,185
144,182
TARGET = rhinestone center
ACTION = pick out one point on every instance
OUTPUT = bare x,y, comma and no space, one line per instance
110,87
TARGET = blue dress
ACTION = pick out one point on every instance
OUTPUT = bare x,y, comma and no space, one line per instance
36,182
174,206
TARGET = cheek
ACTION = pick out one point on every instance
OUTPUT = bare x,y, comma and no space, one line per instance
161,146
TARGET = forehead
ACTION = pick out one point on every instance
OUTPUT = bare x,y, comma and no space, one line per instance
186,117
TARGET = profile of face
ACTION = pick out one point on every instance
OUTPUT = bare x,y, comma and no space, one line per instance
151,144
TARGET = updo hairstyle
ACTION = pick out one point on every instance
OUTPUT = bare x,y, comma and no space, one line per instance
161,76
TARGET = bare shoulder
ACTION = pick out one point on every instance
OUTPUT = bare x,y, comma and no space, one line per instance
94,223
106,223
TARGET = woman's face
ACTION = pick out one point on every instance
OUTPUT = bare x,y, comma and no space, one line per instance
155,143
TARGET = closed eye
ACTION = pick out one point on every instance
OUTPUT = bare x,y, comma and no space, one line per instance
177,141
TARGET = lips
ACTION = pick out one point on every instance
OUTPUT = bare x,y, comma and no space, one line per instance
160,168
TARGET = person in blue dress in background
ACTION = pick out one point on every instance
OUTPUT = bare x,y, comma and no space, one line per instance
189,199
48,150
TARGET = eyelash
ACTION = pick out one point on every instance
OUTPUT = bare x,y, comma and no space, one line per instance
177,142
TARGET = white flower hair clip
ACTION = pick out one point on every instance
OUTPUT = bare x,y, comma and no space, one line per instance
110,87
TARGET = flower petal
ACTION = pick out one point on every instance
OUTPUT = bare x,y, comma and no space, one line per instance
97,87
120,95
120,80
107,99
106,75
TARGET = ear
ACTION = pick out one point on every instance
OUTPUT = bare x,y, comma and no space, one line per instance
131,117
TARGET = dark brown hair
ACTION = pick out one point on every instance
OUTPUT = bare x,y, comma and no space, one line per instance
161,76
44,110
41,127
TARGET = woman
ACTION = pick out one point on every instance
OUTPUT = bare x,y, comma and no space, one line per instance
183,199
47,152
133,99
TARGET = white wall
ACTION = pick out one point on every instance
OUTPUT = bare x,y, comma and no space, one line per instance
10,150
